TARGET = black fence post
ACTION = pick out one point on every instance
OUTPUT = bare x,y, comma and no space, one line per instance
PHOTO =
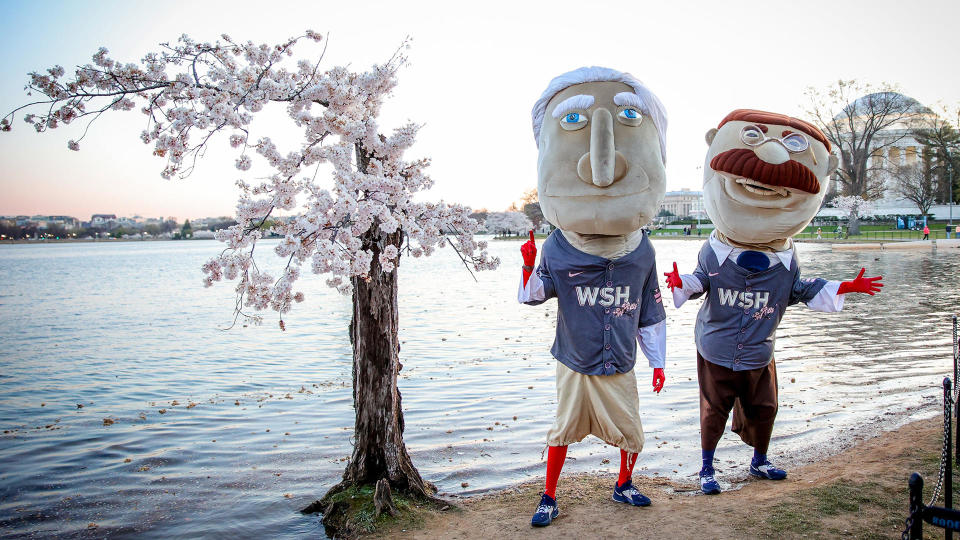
916,504
948,442
955,345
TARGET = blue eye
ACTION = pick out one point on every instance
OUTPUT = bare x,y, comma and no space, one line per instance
630,117
573,121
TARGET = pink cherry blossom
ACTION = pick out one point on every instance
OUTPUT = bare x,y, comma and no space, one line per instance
193,92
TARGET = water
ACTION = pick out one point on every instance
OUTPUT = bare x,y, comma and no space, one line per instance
228,433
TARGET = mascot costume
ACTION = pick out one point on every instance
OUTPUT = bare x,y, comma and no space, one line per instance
764,179
600,135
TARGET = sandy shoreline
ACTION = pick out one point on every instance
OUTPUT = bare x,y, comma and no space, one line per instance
859,492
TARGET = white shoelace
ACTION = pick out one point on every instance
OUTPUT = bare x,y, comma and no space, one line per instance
544,509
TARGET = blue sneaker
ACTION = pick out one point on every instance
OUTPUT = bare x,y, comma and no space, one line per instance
766,470
629,494
546,512
709,484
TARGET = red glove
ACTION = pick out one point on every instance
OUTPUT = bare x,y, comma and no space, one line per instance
529,252
673,278
658,379
860,284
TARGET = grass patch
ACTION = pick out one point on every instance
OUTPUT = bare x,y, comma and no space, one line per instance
805,513
848,508
359,514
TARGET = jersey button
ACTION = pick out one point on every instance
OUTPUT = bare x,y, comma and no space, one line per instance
609,284
607,327
746,312
739,346
607,365
606,310
748,289
607,347
610,267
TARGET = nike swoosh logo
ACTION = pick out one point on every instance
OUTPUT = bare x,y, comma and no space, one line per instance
575,274
711,274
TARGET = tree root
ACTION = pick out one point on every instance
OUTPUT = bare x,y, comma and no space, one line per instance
383,500
351,509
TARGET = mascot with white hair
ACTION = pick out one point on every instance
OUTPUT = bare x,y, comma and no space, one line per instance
600,135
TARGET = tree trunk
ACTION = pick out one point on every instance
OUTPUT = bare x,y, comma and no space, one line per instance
379,451
853,225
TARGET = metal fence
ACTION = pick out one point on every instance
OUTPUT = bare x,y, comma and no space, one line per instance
944,516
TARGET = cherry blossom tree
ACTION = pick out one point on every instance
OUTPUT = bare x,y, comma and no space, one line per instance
856,207
507,223
354,233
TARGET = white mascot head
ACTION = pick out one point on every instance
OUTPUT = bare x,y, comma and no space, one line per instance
601,137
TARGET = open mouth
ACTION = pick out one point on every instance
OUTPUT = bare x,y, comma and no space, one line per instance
764,190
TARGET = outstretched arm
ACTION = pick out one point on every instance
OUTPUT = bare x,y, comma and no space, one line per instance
830,298
686,286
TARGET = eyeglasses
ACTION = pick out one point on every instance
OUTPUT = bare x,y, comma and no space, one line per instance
794,142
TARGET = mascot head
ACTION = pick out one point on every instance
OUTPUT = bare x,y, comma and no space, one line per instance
600,134
765,175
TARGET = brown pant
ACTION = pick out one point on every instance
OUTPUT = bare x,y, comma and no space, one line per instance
751,394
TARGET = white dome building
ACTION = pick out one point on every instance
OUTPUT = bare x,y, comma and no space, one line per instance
892,146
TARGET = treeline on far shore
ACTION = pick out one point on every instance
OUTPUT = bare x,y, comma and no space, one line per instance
165,230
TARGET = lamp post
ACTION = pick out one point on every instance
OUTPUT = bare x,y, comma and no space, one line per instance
699,202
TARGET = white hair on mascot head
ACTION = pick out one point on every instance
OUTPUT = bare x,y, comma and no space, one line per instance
650,105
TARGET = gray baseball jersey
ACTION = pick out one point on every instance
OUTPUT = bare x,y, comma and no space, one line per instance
737,323
601,304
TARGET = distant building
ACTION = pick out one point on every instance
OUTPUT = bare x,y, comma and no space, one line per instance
684,203
103,221
67,222
902,149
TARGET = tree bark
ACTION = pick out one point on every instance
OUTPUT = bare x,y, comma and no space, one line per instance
853,225
380,456
379,451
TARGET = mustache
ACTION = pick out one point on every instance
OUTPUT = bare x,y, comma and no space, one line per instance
744,163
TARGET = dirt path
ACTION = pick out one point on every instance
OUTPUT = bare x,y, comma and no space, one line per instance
860,493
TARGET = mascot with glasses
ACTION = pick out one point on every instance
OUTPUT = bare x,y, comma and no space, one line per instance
764,180
600,135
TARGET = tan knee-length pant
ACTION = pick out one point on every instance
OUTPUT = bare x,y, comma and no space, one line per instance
606,406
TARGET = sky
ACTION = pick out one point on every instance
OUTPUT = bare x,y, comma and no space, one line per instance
475,70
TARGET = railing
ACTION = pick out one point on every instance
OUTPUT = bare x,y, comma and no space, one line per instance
890,234
944,516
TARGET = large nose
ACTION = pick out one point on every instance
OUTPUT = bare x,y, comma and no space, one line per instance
773,152
603,157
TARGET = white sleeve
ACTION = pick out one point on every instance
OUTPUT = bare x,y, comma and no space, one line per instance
827,300
653,343
691,286
533,292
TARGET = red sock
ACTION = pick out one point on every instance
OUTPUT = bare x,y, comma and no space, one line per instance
627,461
555,457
